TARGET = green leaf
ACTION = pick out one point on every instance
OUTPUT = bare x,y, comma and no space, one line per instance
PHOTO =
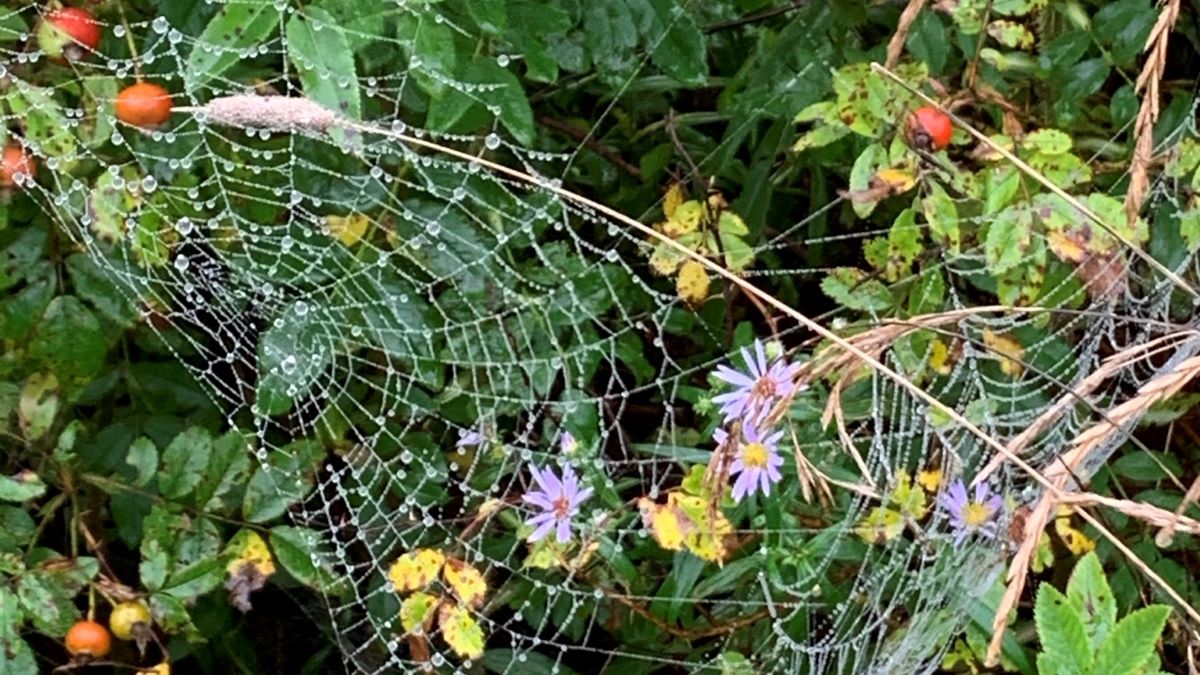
297,550
1189,228
490,15
94,285
1008,239
942,215
928,41
236,27
38,405
48,595
285,478
12,29
293,354
611,37
15,656
1002,185
219,490
433,48
22,487
676,43
1092,598
45,124
1131,644
196,579
317,46
184,462
1065,648
852,289
69,340
497,87
1047,142
143,456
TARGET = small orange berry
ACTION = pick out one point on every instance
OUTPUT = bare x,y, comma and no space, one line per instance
88,638
929,129
144,104
14,161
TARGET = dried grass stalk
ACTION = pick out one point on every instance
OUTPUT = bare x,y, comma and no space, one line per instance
907,17
1148,84
1160,388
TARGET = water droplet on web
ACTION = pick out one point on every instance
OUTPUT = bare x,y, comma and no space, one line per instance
288,364
159,25
492,141
433,229
119,30
502,60
301,308
181,263
286,244
376,172
149,184
184,226
459,193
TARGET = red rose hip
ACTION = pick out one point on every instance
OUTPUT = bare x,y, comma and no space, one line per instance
929,129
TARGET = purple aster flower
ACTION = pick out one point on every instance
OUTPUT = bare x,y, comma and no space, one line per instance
756,391
559,501
468,437
969,515
756,461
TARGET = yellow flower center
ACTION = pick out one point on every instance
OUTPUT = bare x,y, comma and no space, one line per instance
754,455
975,514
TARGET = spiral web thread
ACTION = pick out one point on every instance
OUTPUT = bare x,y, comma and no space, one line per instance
492,305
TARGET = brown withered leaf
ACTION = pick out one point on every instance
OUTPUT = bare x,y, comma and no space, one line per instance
243,581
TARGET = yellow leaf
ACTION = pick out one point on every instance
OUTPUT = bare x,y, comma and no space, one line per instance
461,631
415,611
899,180
546,554
685,220
664,524
908,498
692,283
705,538
1075,540
939,357
415,569
248,547
930,479
665,260
347,229
466,582
1007,351
880,526
1067,245
672,200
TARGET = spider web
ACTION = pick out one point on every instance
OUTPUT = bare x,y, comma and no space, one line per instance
471,301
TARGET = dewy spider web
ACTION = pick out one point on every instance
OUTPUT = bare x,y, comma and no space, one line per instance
346,293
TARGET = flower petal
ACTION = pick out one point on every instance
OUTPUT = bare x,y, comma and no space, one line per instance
734,377
541,532
564,531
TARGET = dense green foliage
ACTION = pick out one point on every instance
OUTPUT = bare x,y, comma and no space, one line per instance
123,476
